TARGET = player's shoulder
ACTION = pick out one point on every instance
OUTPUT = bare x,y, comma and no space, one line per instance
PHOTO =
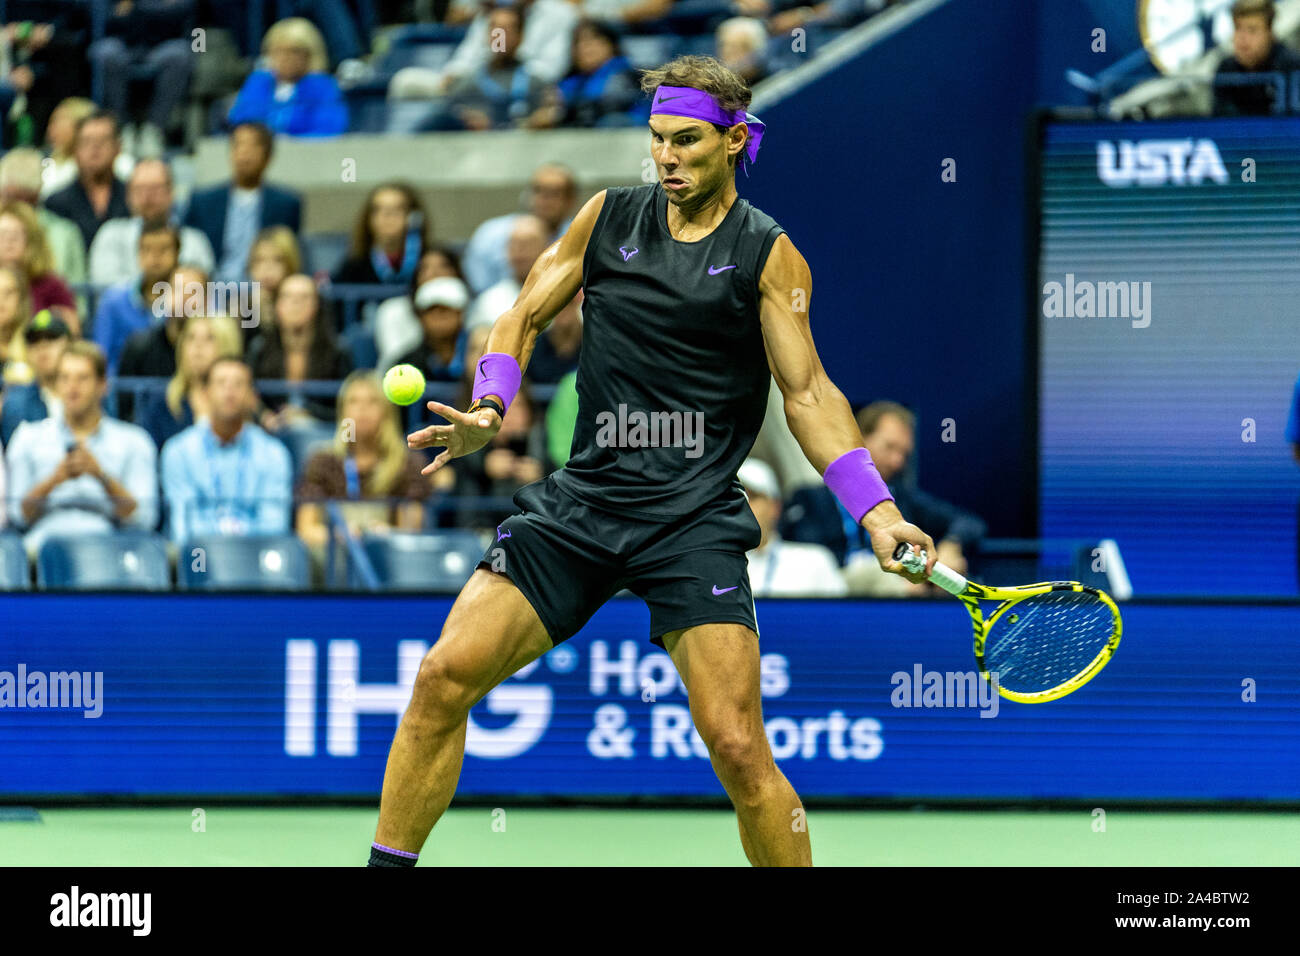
585,222
759,221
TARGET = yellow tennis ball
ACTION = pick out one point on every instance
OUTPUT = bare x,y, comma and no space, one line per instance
403,384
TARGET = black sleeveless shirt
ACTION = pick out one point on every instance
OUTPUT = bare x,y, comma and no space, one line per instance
673,377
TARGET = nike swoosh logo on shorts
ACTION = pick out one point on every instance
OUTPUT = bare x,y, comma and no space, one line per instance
724,590
714,270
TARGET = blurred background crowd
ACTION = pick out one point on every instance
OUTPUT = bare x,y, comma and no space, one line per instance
185,367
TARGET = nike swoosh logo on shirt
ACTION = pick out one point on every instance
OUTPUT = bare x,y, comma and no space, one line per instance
724,590
714,270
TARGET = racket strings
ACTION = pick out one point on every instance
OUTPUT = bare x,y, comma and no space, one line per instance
1042,642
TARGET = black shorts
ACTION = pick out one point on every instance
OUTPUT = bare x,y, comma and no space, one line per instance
569,558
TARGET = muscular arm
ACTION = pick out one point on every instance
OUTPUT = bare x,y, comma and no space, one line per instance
818,414
552,283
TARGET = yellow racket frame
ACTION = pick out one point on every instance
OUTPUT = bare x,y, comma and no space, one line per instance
1010,597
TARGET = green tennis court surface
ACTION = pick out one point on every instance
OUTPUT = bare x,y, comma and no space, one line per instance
612,837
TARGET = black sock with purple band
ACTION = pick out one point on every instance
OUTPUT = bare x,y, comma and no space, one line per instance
381,855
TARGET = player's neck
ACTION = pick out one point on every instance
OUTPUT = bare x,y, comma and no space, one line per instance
700,218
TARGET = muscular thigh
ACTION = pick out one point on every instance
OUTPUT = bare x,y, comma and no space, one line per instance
719,664
490,632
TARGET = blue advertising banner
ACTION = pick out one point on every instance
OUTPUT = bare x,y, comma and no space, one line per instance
290,695
1168,273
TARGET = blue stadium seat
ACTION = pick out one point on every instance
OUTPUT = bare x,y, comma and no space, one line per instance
14,573
703,45
430,56
261,563
302,439
325,251
359,342
648,52
416,33
127,561
441,561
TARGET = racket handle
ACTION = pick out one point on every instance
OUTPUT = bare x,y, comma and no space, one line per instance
942,575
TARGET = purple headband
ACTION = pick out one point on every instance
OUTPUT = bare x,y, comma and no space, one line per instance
688,101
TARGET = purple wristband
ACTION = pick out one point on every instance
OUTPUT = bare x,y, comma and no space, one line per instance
498,374
856,482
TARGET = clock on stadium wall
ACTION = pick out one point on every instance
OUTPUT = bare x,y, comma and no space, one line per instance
1176,33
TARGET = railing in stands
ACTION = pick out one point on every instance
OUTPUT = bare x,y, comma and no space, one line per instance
349,297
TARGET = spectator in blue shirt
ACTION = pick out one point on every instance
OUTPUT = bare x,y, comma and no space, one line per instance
138,303
46,337
502,92
295,96
81,472
225,475
601,90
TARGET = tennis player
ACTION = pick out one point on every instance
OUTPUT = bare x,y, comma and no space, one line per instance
693,297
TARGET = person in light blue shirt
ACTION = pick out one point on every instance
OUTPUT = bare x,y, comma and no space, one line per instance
81,472
551,198
225,475
130,307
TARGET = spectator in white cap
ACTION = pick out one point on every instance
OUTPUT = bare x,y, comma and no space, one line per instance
440,305
397,327
779,568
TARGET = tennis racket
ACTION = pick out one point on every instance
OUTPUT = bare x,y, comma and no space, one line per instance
1042,641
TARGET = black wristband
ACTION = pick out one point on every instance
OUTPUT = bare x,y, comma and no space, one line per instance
488,403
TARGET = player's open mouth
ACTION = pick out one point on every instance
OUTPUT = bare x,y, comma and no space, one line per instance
674,182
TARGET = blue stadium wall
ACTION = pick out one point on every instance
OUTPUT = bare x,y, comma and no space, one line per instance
919,286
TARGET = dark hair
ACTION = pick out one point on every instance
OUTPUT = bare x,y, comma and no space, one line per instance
88,350
491,8
155,226
869,418
1254,8
603,29
99,116
363,239
705,73
263,132
270,358
446,252
226,360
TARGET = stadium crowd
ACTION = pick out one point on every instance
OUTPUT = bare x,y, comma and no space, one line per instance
186,370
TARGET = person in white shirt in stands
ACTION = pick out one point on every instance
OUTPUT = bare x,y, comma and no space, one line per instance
779,568
82,472
529,238
113,252
544,50
552,194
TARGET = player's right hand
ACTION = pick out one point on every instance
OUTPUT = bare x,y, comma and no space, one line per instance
466,434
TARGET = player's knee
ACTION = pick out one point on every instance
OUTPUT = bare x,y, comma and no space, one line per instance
739,753
439,694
